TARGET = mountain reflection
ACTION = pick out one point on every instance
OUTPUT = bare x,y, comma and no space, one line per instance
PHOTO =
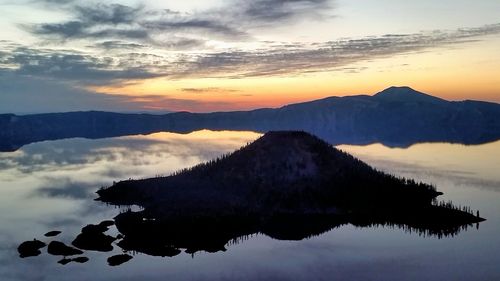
170,237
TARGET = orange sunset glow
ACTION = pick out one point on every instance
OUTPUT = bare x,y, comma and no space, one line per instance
218,61
453,73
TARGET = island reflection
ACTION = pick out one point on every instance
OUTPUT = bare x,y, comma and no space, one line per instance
171,237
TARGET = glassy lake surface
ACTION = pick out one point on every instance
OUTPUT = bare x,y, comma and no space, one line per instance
50,186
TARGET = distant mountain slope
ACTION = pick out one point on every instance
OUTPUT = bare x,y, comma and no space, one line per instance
397,116
406,94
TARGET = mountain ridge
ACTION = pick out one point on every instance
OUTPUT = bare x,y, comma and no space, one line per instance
397,116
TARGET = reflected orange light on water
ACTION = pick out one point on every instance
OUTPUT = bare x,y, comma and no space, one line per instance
228,138
209,135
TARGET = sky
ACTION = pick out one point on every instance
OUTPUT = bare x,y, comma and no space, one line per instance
223,55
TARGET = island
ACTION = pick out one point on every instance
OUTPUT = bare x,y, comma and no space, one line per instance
288,185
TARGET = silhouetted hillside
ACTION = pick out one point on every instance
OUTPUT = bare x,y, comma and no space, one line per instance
280,173
397,116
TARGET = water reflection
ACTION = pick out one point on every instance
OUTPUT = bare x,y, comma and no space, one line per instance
170,237
51,185
467,165
34,200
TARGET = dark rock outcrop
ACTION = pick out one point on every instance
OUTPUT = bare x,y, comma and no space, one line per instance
93,238
30,248
57,248
52,233
119,259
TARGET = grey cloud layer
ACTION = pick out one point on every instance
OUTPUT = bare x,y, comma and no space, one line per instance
274,59
129,33
300,58
99,21
275,10
117,21
73,66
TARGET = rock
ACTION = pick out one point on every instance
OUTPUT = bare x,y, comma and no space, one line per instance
57,248
93,238
52,233
107,223
80,259
64,261
30,248
119,259
92,228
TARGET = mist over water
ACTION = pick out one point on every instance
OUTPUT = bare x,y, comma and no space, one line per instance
50,186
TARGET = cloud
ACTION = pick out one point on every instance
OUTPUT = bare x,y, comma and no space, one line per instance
208,90
173,43
130,43
272,59
296,58
115,44
271,11
94,21
107,21
108,14
67,65
163,102
58,1
26,94
195,25
230,22
79,30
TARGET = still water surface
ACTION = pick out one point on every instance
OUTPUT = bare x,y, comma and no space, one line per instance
50,186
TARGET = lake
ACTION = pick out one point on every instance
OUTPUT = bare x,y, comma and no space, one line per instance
51,186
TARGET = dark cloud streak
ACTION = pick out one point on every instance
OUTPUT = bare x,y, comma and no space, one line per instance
272,11
275,59
82,68
109,14
124,22
300,58
208,90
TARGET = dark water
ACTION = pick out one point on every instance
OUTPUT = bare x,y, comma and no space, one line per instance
50,186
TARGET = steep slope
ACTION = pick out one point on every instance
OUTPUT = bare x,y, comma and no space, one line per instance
282,172
406,94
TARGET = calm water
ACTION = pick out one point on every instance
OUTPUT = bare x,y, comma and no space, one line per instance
50,186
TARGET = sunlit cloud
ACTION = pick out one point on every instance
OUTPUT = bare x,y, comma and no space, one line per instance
274,59
88,48
208,90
